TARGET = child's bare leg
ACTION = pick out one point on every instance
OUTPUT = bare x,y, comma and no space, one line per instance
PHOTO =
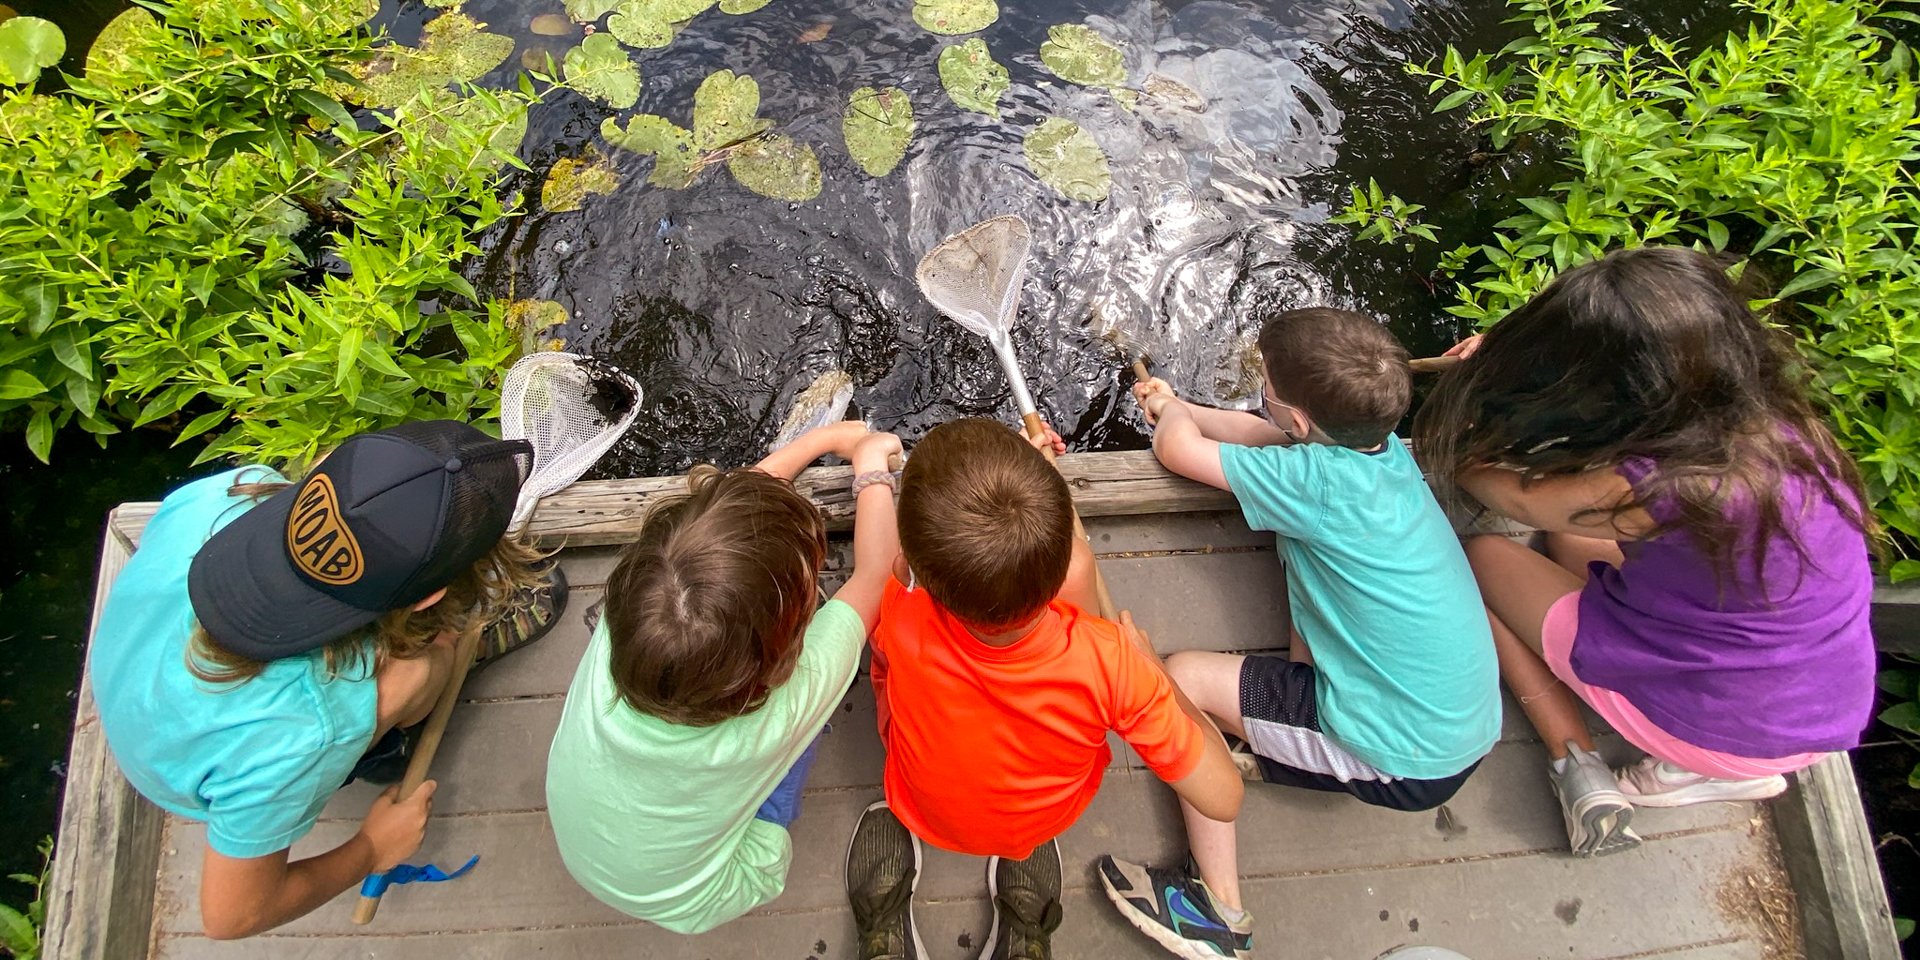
1519,586
1574,552
1212,682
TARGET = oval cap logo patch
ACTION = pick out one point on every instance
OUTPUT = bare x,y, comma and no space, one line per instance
318,538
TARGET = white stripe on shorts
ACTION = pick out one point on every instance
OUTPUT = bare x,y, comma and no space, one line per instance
1307,750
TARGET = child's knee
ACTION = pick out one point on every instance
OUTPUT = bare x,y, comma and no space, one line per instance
1210,680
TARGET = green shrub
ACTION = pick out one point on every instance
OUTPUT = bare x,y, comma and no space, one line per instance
1790,142
20,929
197,234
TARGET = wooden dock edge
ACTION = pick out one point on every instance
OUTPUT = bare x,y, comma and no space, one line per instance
100,899
1830,861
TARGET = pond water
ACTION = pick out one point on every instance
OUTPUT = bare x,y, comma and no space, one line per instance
725,304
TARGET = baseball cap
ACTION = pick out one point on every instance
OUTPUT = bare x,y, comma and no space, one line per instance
382,523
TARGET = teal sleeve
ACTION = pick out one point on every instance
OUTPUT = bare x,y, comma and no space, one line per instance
1279,487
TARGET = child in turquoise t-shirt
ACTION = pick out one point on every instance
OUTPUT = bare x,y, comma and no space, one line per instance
691,722
1392,692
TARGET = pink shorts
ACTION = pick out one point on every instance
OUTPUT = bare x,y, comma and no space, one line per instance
1556,640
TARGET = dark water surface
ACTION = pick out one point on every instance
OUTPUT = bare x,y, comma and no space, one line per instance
724,304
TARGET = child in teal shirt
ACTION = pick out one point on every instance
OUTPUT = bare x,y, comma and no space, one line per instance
1392,692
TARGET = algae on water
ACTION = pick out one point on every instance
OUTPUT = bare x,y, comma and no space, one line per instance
952,17
1066,158
878,126
599,69
572,179
972,78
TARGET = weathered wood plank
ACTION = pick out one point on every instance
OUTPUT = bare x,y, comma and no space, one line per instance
1829,853
100,894
1519,908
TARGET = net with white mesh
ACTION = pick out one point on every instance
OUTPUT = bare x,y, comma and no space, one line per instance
572,409
974,276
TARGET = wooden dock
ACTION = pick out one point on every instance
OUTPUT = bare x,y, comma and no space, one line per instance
1326,876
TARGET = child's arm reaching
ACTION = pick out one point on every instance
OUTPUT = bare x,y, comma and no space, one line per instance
1581,503
1182,448
835,438
1226,426
876,537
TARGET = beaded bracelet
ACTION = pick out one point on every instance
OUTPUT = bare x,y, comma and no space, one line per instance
868,479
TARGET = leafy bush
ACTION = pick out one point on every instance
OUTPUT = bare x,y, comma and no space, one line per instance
1789,142
20,929
198,234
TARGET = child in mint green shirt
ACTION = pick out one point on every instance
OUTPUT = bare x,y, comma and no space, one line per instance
690,724
1391,693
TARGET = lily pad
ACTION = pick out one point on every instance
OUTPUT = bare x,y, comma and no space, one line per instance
777,167
738,7
453,49
1078,54
125,45
1066,158
649,23
952,17
552,25
674,161
878,126
572,179
599,69
28,45
723,111
588,11
530,317
479,121
972,78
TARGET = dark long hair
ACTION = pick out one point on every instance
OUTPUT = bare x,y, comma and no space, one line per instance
1654,353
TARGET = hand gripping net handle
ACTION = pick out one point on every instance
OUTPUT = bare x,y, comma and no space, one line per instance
572,409
975,275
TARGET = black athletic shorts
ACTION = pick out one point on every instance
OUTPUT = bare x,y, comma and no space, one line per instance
1282,720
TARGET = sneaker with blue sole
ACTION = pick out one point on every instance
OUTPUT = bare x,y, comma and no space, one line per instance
1175,908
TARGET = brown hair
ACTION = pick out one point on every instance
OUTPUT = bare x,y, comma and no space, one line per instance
707,609
986,523
1647,353
478,596
1345,371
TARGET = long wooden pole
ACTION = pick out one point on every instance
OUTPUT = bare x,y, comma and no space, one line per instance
464,650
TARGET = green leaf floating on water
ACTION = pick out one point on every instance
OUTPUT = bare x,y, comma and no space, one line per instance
776,166
649,23
1078,54
951,17
27,45
674,161
572,179
1067,159
587,11
599,69
724,109
972,78
878,126
124,44
552,25
453,49
737,7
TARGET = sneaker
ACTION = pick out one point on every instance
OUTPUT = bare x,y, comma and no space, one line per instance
1657,783
883,866
1243,759
1597,813
531,614
1175,908
1026,905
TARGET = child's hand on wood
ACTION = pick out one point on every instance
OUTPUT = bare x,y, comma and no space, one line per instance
1153,396
1137,636
875,451
1051,439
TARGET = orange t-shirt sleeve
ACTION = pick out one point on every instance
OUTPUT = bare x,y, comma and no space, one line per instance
1147,716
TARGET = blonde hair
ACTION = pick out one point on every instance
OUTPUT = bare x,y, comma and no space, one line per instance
477,597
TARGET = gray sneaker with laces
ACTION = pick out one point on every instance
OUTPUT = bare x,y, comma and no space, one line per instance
883,866
1596,812
1026,905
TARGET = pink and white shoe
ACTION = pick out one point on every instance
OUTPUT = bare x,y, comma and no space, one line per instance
1657,783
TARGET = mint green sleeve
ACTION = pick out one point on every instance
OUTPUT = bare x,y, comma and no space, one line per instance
828,660
1279,487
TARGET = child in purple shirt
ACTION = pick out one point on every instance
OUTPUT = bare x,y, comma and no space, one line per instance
1707,579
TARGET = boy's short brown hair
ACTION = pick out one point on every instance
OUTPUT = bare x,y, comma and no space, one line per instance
706,610
986,523
1347,372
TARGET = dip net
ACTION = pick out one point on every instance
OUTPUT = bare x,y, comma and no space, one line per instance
974,276
572,409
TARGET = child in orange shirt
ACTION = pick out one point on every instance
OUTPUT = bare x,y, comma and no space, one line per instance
996,689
